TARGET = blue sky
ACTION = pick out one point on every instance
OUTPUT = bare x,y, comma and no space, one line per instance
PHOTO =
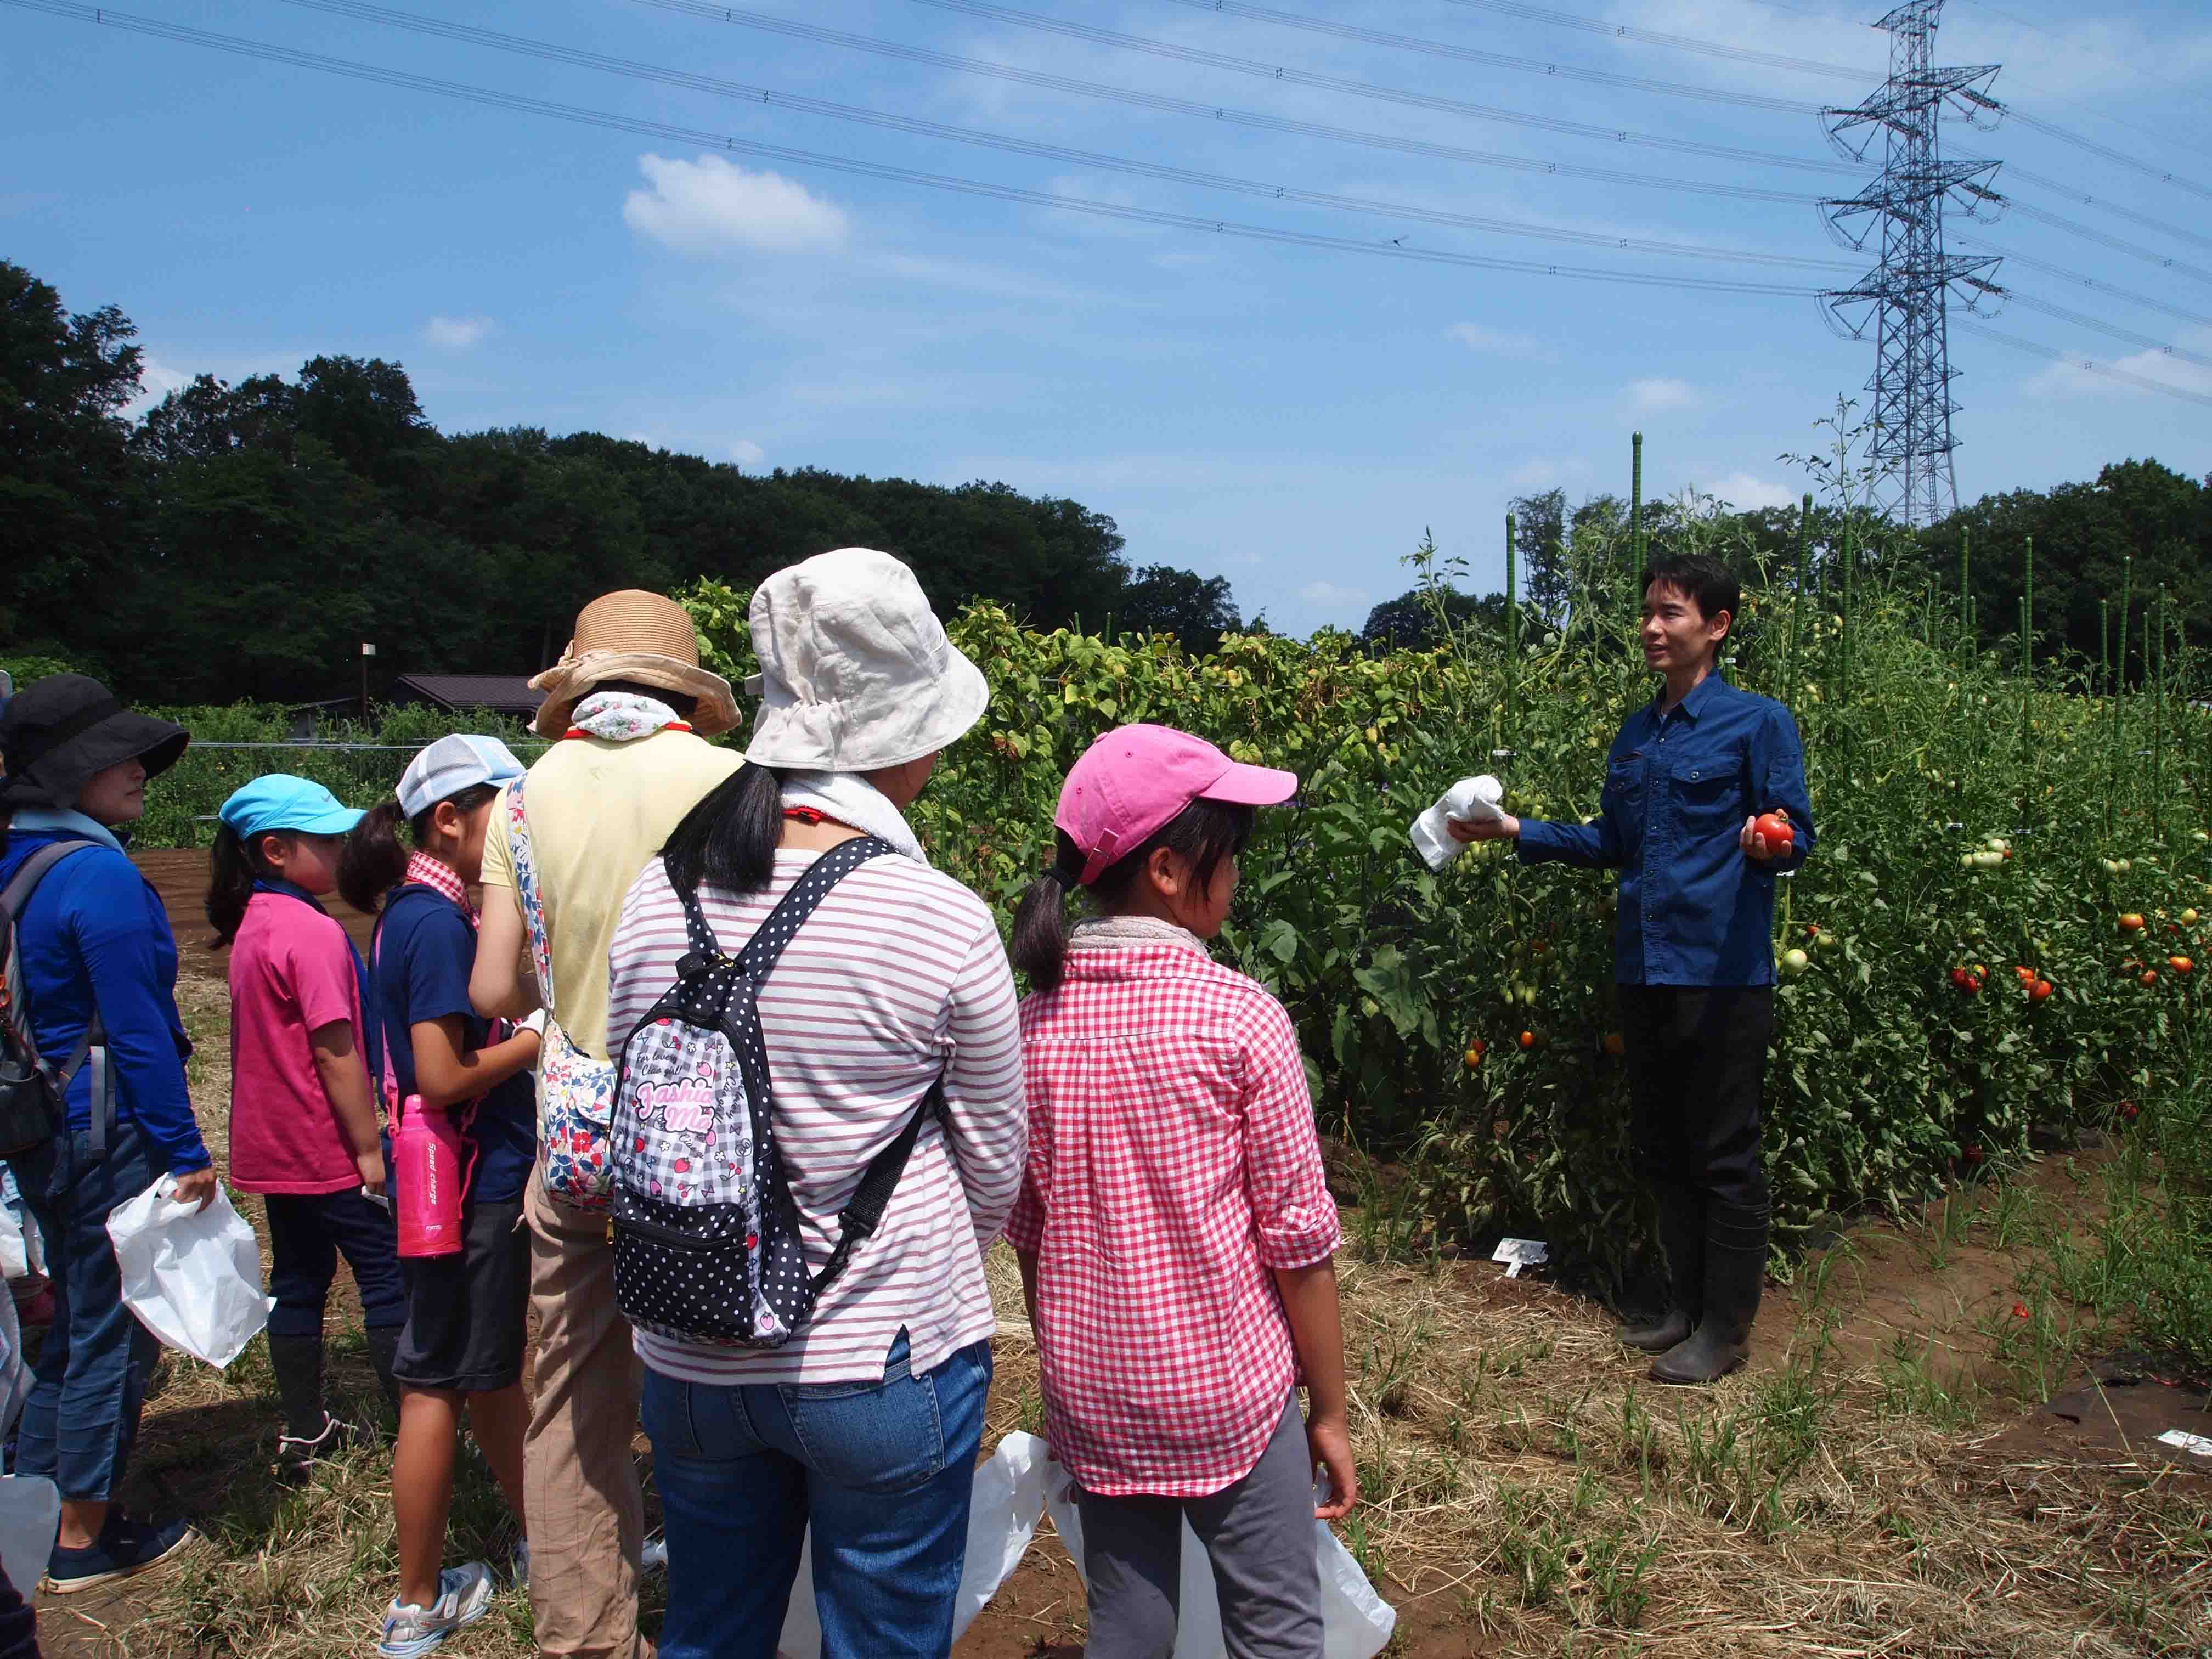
1289,416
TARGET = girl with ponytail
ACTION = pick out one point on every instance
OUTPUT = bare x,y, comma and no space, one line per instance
303,1125
1174,1230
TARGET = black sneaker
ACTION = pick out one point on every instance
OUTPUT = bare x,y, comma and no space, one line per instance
125,1547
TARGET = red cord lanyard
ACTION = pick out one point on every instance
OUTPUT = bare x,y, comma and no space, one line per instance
813,815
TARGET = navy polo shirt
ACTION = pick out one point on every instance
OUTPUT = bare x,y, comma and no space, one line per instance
424,952
1695,910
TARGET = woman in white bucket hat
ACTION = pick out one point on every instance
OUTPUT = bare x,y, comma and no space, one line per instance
866,1422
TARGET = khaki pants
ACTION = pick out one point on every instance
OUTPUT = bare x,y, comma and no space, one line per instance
586,1515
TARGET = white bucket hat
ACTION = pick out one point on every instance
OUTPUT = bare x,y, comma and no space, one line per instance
856,672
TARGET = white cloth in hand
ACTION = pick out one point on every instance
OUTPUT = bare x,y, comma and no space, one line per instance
1469,800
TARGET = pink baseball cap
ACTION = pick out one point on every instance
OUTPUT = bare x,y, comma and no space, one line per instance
1135,780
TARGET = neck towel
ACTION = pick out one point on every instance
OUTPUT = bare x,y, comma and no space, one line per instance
853,800
623,717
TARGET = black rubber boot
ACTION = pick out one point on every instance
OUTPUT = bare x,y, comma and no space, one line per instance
1735,1272
382,1349
1680,1227
309,1431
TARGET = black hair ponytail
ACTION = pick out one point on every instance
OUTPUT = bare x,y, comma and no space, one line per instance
1040,947
1203,834
232,869
372,861
728,841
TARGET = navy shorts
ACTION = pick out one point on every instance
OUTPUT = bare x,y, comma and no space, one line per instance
465,1311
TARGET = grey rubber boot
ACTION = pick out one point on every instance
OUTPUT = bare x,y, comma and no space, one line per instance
1681,1231
1735,1272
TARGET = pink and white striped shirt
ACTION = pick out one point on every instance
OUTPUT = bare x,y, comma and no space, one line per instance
898,975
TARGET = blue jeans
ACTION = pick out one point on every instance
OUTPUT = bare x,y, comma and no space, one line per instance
883,1470
82,1412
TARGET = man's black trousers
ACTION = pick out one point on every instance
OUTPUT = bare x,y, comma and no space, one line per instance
1696,1068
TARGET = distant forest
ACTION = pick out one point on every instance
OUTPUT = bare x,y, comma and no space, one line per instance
241,541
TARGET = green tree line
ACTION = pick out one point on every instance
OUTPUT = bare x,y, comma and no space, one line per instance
2138,524
240,541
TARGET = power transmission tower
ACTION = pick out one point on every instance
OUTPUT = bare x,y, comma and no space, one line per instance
1902,300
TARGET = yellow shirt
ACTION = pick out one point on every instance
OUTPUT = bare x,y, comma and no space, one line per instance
598,813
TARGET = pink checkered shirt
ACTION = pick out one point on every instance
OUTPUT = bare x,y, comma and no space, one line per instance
1173,1165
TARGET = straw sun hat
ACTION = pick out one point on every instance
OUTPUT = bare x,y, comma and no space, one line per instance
645,638
856,672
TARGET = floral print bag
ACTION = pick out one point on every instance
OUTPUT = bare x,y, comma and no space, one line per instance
575,1092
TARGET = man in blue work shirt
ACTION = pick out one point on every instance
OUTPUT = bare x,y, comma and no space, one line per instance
1693,953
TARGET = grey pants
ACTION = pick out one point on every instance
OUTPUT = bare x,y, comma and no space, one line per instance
1258,1534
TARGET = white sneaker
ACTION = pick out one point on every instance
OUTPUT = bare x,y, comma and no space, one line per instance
464,1596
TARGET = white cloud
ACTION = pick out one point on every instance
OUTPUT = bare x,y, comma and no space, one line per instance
1742,490
745,452
156,380
1654,397
1327,593
1500,342
714,206
2069,376
1536,473
456,333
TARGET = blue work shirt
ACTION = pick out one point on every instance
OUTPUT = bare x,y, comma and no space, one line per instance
95,934
1695,910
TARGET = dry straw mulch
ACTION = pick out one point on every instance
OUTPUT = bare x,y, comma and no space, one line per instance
1526,1492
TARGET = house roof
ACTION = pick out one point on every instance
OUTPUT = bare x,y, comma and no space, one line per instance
508,693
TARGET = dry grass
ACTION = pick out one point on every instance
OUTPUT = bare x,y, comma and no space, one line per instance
1527,1491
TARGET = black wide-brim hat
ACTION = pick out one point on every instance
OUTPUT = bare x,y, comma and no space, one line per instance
56,732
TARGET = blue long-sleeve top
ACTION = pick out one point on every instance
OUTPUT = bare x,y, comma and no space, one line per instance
1694,908
95,934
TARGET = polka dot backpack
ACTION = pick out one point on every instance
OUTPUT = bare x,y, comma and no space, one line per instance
706,1234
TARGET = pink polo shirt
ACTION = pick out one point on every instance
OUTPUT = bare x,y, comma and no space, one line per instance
291,973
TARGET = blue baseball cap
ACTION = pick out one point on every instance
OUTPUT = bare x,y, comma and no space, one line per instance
281,801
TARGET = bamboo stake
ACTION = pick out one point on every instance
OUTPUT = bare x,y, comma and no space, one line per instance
2120,679
1512,631
1965,600
1636,508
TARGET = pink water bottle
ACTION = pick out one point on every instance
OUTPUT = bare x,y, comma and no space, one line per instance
427,1159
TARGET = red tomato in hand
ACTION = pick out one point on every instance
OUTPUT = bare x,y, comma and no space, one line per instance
1776,831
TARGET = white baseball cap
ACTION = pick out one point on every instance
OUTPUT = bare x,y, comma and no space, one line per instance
453,764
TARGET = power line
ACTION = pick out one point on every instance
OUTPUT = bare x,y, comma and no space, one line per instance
1809,66
2089,364
1548,67
518,103
2145,340
1283,74
2163,261
1218,112
360,9
109,17
2096,283
2014,172
1677,42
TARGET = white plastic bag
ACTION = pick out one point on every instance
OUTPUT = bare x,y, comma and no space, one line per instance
14,1375
1002,1518
1468,800
30,1513
1355,1622
192,1276
15,1246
